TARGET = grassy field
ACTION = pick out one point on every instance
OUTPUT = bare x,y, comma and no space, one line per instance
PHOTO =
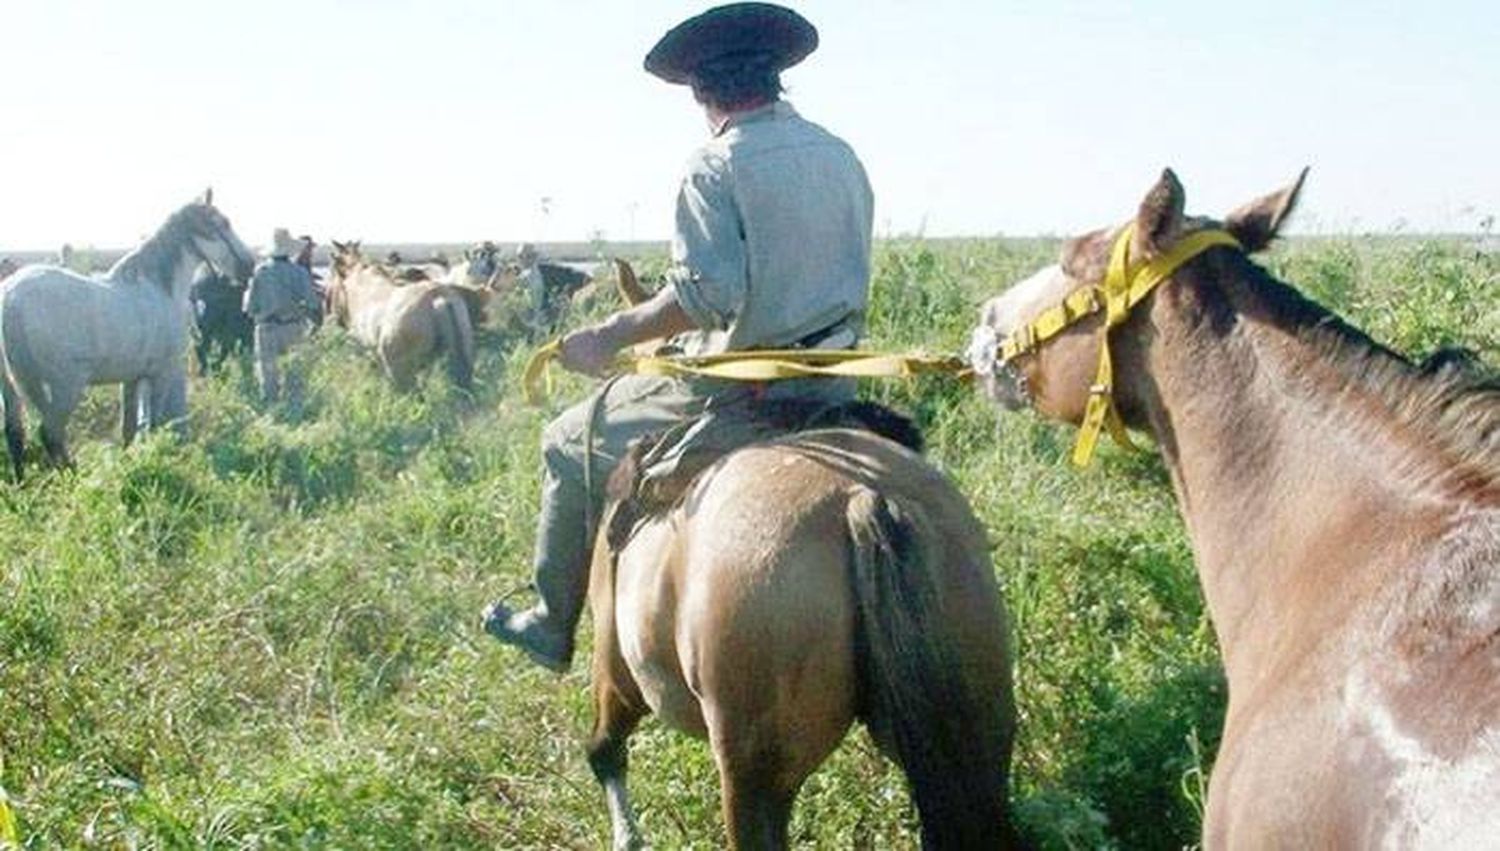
267,636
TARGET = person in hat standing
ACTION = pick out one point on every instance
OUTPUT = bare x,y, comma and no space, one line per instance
529,280
282,303
771,250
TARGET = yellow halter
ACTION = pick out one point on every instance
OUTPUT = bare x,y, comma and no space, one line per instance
1123,288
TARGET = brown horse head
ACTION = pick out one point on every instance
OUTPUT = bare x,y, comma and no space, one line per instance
1056,379
345,256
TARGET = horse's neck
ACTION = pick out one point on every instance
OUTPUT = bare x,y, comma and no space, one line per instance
1283,473
171,268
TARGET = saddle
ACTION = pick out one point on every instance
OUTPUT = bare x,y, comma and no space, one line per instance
657,471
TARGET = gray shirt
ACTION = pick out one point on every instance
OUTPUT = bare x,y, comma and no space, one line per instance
773,235
281,291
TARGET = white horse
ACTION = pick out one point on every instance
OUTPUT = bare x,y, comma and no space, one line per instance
61,332
478,267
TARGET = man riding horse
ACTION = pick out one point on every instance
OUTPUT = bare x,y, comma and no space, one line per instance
771,250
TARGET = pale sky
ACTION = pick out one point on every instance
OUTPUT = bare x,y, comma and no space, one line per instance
451,120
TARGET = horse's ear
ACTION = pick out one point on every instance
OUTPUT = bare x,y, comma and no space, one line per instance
1258,222
208,196
1158,222
630,286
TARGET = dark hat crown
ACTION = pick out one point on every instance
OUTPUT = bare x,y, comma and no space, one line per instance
760,32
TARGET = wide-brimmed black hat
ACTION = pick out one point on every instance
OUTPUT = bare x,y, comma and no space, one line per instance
739,29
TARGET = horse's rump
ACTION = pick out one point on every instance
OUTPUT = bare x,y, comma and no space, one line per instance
657,471
808,582
476,300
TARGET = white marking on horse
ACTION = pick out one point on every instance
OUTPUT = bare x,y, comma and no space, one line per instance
1436,802
623,825
999,317
1024,300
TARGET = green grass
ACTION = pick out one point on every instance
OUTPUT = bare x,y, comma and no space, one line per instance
266,636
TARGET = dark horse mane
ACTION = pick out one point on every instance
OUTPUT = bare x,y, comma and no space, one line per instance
155,259
1450,398
804,415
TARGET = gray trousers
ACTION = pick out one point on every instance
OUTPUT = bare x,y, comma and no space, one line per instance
272,341
628,408
631,407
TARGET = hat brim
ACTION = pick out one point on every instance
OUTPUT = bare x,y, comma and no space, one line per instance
761,29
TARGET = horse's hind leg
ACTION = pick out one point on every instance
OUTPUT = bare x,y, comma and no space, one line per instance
757,804
608,751
763,757
15,424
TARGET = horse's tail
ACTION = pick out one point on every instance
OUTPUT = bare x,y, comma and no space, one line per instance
457,334
919,677
476,300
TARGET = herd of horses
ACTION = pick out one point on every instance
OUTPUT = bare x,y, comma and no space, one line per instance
409,314
1342,502
62,331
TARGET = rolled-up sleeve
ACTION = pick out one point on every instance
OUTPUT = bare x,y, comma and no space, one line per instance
710,269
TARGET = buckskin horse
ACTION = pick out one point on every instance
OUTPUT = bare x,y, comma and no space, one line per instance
61,331
1343,505
799,585
408,324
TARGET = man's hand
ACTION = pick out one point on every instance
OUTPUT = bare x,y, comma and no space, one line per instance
590,351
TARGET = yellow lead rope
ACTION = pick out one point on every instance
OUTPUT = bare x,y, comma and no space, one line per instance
771,365
1123,288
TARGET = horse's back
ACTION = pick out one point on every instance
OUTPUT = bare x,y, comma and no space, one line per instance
39,302
87,329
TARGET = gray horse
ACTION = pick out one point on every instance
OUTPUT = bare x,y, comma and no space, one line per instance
61,332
